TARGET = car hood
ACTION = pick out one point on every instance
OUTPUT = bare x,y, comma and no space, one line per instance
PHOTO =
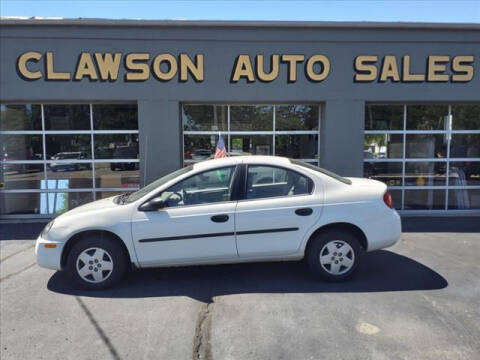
94,206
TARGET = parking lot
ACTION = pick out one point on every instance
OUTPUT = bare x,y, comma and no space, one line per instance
416,300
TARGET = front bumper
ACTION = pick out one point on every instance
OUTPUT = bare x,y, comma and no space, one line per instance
49,258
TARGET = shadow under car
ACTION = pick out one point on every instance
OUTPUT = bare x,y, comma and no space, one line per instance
382,271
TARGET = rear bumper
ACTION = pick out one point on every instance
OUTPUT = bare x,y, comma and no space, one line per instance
49,258
387,231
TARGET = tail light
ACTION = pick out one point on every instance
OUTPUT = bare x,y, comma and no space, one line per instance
387,198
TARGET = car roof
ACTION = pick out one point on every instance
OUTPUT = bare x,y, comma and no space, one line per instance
247,159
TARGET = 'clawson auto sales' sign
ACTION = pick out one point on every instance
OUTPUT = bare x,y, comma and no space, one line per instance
33,65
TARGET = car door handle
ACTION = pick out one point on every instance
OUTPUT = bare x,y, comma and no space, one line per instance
219,218
304,211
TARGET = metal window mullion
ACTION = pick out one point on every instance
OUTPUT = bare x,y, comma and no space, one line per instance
273,134
404,153
318,133
228,128
449,138
44,147
92,147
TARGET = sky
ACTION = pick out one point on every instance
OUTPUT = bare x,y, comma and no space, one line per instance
408,10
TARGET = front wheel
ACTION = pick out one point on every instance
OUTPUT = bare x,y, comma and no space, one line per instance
334,255
96,263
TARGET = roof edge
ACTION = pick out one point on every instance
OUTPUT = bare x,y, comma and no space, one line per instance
18,21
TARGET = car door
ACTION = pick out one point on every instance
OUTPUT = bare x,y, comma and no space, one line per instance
277,211
196,225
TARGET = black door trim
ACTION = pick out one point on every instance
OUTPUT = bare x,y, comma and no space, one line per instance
200,236
264,231
187,237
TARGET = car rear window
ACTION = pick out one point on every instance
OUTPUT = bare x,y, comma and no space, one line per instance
321,170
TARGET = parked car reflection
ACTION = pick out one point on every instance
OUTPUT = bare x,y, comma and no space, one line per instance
124,152
69,166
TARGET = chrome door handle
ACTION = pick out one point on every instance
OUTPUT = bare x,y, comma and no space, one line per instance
219,218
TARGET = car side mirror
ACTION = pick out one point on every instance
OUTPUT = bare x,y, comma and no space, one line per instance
153,205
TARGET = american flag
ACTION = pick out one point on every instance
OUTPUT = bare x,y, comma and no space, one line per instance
220,152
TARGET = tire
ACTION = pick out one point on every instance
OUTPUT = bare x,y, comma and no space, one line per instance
113,263
326,262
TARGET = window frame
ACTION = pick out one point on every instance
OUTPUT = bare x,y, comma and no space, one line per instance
243,190
45,161
234,184
228,133
448,131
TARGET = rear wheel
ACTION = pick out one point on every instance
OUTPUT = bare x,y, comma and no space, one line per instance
97,263
334,255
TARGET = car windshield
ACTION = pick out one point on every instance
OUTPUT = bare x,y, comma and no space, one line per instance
163,180
322,170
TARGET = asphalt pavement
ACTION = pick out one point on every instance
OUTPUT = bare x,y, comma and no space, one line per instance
416,300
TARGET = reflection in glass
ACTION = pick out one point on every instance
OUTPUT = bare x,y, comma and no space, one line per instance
270,181
67,117
426,146
199,147
248,118
115,117
21,147
383,146
22,176
36,203
117,175
116,146
424,200
58,203
465,116
297,146
207,187
463,199
389,173
426,117
396,198
465,173
296,117
465,145
70,176
251,144
425,173
205,117
68,147
384,117
20,117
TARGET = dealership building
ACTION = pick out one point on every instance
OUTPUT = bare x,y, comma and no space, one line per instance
93,107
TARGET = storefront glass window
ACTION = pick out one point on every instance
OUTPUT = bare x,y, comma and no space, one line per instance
290,130
426,117
384,117
52,160
67,117
431,159
251,118
115,117
205,117
20,117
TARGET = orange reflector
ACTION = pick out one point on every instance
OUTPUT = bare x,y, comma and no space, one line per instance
50,246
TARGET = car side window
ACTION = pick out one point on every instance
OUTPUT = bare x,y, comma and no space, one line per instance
207,187
270,181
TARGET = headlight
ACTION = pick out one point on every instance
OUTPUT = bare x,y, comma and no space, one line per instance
47,228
